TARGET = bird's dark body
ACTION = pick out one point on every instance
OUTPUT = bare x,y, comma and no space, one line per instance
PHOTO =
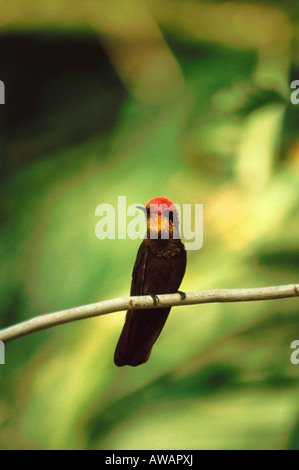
159,269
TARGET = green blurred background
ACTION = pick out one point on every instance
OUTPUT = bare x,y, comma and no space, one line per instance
184,99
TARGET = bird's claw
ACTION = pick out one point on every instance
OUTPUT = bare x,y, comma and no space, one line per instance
154,297
182,294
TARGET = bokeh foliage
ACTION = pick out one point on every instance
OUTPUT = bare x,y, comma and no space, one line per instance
144,99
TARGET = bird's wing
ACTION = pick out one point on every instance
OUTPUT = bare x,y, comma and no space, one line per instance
139,270
127,341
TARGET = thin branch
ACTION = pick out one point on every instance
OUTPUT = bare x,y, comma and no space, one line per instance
49,320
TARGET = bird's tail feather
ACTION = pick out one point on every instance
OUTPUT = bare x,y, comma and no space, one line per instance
140,331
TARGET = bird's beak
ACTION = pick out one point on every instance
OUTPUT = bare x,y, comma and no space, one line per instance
142,208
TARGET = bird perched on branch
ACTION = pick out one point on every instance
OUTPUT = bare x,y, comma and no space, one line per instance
159,269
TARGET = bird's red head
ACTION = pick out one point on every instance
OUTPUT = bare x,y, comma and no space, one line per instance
162,218
162,204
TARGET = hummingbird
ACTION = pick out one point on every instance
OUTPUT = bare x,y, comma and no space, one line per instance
159,269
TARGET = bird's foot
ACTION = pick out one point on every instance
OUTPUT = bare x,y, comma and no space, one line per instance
182,294
154,297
